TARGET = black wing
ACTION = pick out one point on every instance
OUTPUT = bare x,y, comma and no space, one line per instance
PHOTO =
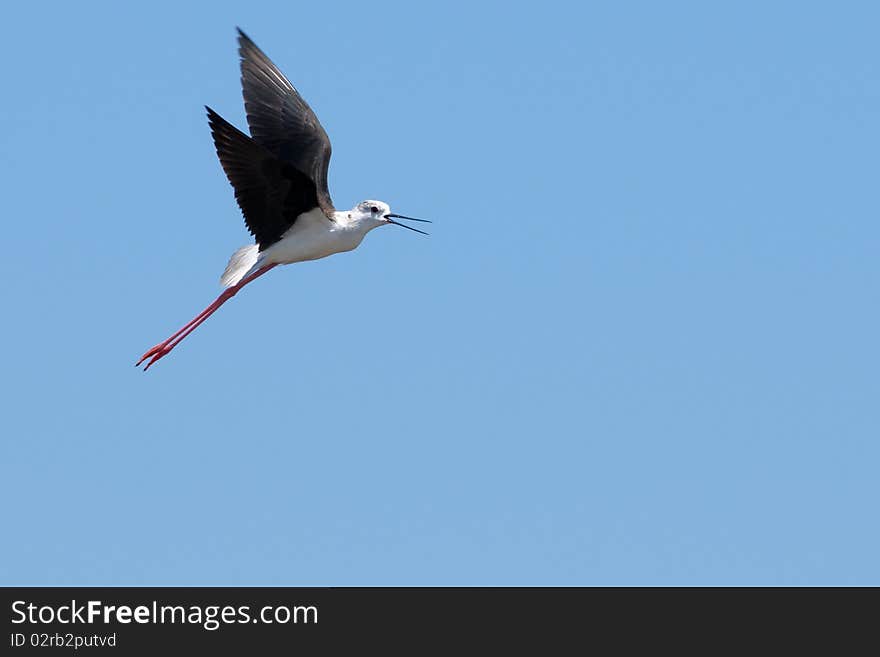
282,121
271,193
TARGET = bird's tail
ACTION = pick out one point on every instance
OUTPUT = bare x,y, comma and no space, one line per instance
241,262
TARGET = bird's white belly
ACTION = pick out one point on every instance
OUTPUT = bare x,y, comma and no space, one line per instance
312,236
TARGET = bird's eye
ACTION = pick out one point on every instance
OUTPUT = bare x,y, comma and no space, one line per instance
374,209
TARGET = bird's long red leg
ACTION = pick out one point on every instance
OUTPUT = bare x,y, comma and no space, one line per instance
166,346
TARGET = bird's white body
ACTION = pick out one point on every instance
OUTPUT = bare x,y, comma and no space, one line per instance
314,236
311,237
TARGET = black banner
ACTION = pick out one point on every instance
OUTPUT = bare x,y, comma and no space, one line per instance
127,621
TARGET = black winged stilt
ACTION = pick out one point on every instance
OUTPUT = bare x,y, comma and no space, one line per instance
279,174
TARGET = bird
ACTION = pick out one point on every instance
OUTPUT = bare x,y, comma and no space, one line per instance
279,176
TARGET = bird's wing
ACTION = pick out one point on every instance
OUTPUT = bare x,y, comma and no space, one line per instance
282,121
270,192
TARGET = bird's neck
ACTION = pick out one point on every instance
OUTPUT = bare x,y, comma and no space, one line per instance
348,220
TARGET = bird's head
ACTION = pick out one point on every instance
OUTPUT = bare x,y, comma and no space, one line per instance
377,213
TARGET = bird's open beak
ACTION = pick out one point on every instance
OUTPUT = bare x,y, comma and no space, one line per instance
390,219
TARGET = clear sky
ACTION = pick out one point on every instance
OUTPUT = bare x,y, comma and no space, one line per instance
639,347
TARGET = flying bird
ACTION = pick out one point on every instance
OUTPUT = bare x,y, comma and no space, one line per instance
279,174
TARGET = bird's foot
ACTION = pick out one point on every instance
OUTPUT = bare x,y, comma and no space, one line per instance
155,354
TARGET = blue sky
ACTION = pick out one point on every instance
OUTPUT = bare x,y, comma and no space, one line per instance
640,346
